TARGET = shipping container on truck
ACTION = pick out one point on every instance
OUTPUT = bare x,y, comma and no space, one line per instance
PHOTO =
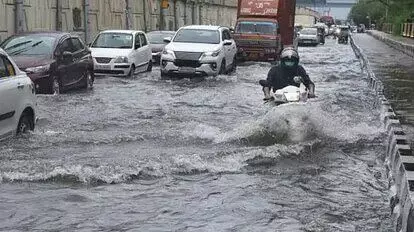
263,28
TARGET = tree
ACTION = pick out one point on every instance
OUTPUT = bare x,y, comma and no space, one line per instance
383,11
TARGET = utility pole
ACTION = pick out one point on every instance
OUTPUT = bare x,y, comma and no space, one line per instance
386,11
145,15
86,20
164,12
127,15
20,22
58,15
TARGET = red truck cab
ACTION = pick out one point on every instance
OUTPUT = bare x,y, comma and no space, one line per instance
263,28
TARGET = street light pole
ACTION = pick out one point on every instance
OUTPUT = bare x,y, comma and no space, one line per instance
86,20
128,20
20,22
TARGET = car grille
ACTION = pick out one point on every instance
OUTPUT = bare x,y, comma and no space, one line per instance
103,60
188,55
187,63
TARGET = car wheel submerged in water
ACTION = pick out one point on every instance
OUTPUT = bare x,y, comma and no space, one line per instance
56,86
89,79
223,67
233,65
149,68
131,71
26,123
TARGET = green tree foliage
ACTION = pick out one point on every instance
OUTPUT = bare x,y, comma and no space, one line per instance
395,12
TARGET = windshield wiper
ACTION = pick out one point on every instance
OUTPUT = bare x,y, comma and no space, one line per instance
35,44
18,45
26,49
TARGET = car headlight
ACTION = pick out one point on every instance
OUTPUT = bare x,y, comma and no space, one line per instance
121,59
38,69
167,52
213,53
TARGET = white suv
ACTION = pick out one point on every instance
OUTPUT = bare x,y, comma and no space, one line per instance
204,50
17,99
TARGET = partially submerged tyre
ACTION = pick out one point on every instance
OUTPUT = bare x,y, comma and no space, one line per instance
26,123
233,65
131,71
56,86
222,67
89,80
149,68
164,75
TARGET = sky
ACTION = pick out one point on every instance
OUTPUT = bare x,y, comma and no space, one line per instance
336,12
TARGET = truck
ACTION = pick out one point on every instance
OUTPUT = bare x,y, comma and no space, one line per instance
263,28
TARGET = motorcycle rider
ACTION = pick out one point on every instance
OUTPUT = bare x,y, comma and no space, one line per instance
284,74
343,35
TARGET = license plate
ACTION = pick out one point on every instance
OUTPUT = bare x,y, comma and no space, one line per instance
253,55
307,41
187,70
102,67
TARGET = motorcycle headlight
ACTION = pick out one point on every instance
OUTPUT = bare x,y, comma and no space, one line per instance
121,59
213,53
38,69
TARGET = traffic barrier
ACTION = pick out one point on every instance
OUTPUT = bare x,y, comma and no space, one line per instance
407,30
411,30
399,161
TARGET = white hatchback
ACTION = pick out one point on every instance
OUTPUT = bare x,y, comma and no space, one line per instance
121,53
203,50
17,99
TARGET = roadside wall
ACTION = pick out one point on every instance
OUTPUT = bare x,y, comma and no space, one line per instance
403,47
399,160
144,15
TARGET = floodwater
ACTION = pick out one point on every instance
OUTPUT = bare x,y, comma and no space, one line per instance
146,154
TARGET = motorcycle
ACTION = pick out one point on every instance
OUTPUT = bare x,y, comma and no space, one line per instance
343,40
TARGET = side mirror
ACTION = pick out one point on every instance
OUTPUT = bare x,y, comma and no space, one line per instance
227,42
137,45
167,39
67,57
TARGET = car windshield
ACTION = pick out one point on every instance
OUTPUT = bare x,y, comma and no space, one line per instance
158,37
309,31
113,40
29,45
197,36
267,28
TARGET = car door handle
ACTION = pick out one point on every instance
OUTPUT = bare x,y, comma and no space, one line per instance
20,86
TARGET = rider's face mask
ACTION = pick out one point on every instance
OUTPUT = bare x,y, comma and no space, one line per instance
289,63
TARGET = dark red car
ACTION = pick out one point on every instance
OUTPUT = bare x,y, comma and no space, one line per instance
55,61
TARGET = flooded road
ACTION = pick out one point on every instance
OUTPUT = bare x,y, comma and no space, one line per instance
147,154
